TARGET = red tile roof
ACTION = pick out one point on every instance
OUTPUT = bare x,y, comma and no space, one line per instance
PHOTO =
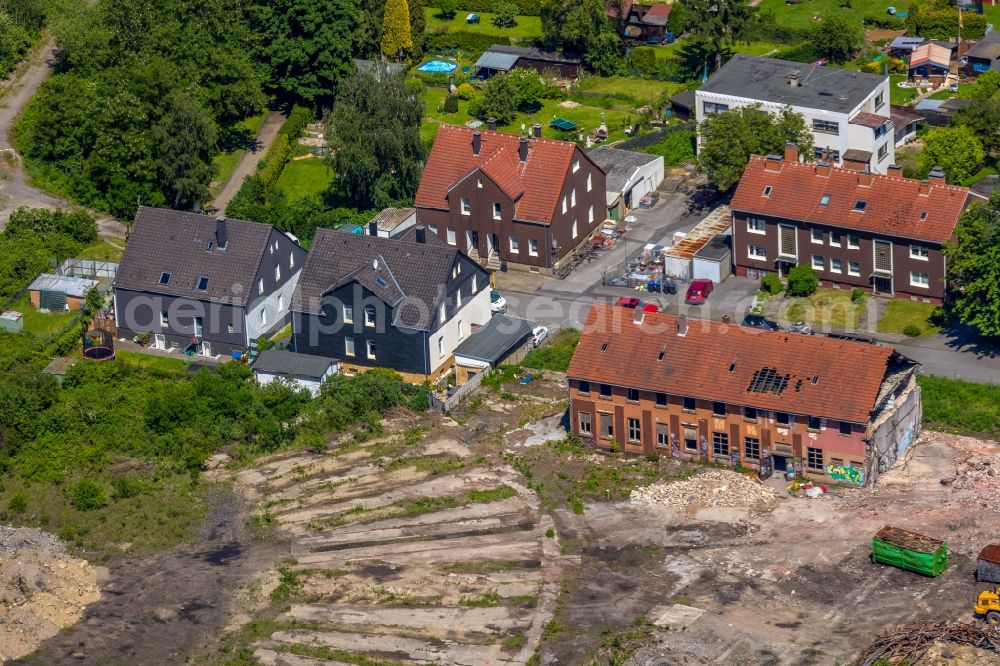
895,204
657,15
538,181
932,53
719,362
869,119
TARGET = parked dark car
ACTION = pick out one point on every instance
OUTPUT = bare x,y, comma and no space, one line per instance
756,321
698,291
632,303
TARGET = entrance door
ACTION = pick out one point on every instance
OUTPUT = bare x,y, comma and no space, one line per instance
475,240
780,463
159,341
206,348
882,285
492,241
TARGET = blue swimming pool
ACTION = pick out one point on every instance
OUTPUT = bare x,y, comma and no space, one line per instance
438,66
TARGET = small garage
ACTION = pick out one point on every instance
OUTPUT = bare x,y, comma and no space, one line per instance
501,341
713,261
632,178
306,371
56,293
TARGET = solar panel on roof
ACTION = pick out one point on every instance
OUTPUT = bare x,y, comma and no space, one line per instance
767,380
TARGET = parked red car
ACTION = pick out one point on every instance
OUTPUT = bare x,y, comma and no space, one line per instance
632,303
698,291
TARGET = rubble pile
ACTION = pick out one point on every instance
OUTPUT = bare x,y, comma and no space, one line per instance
911,643
715,488
981,474
42,590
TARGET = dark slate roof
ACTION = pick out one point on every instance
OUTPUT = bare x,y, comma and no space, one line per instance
619,165
496,340
281,362
988,48
412,276
685,99
500,61
766,79
716,249
536,54
176,242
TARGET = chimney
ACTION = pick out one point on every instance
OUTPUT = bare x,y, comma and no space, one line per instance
925,188
823,168
865,178
936,176
682,325
793,78
491,124
791,152
221,236
373,228
772,163
522,149
419,234
894,170
638,314
477,142
536,131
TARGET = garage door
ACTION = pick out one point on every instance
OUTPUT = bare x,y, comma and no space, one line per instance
52,300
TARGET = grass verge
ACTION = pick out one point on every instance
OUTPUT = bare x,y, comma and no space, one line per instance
305,177
960,407
901,314
827,308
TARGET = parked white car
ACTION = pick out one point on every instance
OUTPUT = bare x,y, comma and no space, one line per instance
498,304
539,334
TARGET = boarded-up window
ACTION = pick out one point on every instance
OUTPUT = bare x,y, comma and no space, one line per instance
607,426
584,423
662,438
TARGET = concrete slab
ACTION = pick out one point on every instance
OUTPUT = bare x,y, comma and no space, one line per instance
437,620
441,651
675,617
270,657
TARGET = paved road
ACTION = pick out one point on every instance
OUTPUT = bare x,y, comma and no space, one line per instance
251,158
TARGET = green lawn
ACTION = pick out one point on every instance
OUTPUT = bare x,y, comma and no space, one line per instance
153,361
101,251
988,170
800,15
527,28
40,323
827,308
899,314
899,95
965,91
641,90
960,407
225,163
304,177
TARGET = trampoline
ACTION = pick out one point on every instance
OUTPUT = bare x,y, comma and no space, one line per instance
437,67
98,345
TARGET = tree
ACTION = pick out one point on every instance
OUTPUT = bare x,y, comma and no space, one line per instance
499,100
729,139
504,14
603,55
581,26
836,38
802,281
974,267
397,39
185,138
374,138
718,23
529,87
447,9
982,116
954,149
418,28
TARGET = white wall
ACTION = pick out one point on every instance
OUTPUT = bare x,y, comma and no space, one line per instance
646,179
254,328
308,383
475,311
400,228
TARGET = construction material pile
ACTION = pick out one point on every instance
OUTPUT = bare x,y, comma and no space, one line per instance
715,488
908,644
981,474
42,590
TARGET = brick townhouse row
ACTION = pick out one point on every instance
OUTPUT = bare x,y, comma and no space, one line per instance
645,382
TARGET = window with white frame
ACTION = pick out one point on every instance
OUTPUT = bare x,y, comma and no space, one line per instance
590,215
572,198
370,316
277,273
433,228
461,330
348,346
818,262
370,349
479,183
260,286
817,236
164,318
883,151
919,252
918,279
441,347
576,166
348,314
443,314
711,107
475,280
515,246
854,268
756,252
826,126
853,241
835,238
466,206
756,226
496,211
458,299
533,247
590,182
835,265
634,431
451,235
574,228
291,260
281,301
565,206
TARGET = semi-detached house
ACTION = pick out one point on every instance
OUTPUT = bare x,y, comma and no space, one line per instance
644,382
846,111
855,229
525,201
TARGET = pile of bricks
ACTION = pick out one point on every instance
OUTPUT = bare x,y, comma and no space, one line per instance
714,488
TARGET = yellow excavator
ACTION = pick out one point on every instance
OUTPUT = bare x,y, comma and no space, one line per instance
988,605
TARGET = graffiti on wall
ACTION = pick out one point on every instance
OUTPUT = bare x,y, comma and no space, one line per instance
846,473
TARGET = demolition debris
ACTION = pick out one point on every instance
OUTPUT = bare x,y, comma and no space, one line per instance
715,488
909,644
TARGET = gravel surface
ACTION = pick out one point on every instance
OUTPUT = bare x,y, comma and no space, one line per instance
715,488
28,538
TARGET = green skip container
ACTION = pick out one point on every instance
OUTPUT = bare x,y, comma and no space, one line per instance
909,550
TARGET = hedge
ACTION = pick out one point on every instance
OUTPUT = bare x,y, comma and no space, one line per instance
472,42
524,7
295,125
274,161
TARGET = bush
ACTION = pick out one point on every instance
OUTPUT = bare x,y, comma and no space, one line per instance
473,42
771,283
295,125
911,331
465,91
18,503
275,160
127,486
858,295
883,21
87,495
802,281
451,104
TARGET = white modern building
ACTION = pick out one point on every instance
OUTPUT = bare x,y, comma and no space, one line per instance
304,371
847,111
631,176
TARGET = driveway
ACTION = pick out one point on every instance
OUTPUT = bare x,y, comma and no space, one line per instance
251,158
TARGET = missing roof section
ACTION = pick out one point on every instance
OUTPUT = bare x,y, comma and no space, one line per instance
767,380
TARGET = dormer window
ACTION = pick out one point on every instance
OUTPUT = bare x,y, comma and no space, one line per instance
824,200
860,205
767,191
164,278
202,284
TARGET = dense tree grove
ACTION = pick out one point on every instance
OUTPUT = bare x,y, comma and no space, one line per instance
974,267
21,21
35,235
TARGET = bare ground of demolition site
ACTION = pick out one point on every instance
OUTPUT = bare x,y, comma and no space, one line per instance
489,538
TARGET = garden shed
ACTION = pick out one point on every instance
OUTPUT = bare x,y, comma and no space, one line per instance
714,260
59,292
502,340
306,371
631,176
